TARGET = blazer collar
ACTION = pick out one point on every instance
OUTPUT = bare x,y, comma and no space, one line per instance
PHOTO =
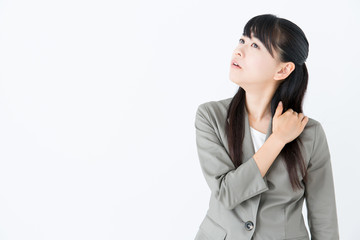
248,145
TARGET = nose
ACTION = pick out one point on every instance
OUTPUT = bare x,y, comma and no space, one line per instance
239,51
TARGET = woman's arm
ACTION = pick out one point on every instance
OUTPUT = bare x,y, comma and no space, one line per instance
230,186
267,153
286,127
319,191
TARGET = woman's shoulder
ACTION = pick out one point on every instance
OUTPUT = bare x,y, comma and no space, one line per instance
314,126
312,137
215,109
215,105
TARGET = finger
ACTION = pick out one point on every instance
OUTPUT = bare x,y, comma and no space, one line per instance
304,121
290,110
279,109
301,116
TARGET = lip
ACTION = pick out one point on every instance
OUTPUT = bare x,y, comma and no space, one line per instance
234,61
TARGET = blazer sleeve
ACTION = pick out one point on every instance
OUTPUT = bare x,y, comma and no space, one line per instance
230,186
319,191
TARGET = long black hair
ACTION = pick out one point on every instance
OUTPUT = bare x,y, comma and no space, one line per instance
289,41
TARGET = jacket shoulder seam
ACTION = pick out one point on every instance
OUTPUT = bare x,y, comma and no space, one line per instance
315,138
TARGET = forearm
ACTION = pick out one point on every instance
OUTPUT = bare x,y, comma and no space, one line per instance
268,152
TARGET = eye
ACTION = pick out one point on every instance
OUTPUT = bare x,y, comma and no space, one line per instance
242,41
256,45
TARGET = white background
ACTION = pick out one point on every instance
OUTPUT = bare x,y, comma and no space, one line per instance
98,101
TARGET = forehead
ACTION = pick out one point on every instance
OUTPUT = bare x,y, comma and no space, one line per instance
257,40
252,37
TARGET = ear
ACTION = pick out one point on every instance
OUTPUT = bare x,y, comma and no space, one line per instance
285,70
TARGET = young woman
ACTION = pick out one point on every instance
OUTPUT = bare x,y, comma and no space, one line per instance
260,156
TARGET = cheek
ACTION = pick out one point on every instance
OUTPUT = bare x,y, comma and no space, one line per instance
258,60
262,66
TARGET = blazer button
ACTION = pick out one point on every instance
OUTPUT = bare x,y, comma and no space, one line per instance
249,225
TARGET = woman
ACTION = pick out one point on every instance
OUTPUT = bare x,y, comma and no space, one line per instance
258,190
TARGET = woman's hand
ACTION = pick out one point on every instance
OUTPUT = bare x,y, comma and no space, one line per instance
289,125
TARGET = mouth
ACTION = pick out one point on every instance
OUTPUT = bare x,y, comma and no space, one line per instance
234,64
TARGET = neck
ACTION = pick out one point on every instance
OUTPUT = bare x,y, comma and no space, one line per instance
258,105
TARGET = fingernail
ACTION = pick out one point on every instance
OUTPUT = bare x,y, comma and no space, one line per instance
280,103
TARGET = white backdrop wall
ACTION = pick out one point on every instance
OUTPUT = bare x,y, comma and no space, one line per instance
98,101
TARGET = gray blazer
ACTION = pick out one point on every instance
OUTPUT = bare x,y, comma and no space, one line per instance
245,205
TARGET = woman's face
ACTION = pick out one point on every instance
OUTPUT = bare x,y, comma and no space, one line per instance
257,66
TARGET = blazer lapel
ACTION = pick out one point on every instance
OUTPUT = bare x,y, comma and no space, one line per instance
248,145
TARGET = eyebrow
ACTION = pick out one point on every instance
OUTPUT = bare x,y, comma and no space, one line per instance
252,39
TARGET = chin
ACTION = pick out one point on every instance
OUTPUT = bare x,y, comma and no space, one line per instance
239,82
